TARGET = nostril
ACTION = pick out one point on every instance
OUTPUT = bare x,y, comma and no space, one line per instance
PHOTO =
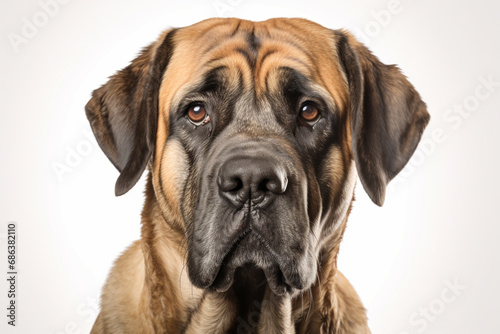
236,184
273,186
230,184
276,186
264,186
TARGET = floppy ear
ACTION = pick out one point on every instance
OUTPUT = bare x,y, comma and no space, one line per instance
387,116
123,112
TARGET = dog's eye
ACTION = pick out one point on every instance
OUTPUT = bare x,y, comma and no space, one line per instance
197,114
309,114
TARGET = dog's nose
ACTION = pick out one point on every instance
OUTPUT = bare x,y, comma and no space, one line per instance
257,179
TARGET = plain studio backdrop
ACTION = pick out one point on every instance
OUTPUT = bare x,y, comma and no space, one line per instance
426,262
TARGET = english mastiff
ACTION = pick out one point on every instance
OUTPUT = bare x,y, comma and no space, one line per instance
253,135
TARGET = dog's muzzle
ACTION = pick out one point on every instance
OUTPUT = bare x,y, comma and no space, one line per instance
252,210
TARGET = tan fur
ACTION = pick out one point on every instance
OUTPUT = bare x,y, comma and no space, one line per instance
148,289
215,314
276,315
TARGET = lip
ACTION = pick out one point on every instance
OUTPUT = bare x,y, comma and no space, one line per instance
225,275
277,281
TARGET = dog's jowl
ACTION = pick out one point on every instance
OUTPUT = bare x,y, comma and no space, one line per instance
253,135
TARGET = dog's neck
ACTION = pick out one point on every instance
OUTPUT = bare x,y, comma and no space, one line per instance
249,306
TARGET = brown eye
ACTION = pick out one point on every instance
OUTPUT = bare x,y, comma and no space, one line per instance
309,113
197,113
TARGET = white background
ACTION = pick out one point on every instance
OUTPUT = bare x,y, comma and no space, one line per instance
440,222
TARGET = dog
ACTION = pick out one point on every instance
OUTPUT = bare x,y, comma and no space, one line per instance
253,135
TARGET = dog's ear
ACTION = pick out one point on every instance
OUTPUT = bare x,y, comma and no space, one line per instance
387,115
123,112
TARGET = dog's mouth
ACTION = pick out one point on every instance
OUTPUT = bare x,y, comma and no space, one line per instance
251,251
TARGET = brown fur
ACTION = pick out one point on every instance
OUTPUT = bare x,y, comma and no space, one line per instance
148,290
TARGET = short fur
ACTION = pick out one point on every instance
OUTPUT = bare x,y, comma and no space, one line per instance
274,271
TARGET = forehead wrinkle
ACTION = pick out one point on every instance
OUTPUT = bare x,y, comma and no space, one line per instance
211,26
230,54
254,73
319,46
220,44
238,66
233,30
304,46
268,74
272,53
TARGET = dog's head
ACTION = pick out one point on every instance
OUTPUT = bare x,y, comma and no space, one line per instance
254,133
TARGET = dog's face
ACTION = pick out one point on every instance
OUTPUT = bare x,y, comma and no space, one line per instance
254,132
